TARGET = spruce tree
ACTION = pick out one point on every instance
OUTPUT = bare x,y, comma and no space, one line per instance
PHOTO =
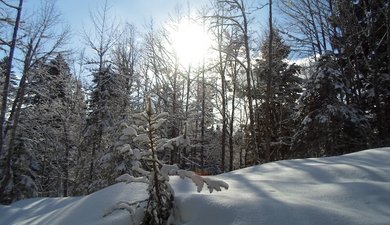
50,127
327,124
363,44
286,86
106,113
147,168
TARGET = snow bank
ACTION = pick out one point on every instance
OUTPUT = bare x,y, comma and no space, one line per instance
352,189
86,210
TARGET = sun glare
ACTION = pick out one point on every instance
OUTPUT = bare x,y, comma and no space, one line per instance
191,43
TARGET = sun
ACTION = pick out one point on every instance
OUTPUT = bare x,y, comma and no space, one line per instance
191,43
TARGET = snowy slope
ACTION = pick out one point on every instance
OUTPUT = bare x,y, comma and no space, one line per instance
73,210
352,189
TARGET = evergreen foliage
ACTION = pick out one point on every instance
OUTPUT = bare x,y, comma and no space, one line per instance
45,148
363,45
108,106
328,126
286,87
147,168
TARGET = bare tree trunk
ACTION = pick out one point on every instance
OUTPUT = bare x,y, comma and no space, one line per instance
174,129
222,63
268,91
222,70
203,118
388,37
224,125
66,163
6,176
231,144
188,85
14,118
8,75
314,27
188,91
248,70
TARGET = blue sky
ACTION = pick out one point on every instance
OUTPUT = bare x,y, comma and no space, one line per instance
137,12
133,11
76,13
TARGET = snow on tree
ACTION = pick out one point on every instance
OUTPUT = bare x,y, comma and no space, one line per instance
147,168
45,146
51,126
13,80
328,125
40,40
363,42
285,89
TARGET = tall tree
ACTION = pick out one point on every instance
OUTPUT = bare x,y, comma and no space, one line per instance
101,118
364,59
220,68
286,89
234,69
125,58
267,149
328,126
40,40
51,125
7,74
238,17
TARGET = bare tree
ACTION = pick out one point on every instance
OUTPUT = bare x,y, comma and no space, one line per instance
221,69
125,56
7,74
268,89
233,71
41,40
237,16
308,25
101,40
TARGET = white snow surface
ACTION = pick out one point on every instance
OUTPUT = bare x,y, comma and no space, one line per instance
353,189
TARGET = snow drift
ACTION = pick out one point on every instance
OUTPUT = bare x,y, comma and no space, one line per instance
352,189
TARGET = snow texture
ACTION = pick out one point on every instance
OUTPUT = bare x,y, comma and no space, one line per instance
130,131
352,189
128,179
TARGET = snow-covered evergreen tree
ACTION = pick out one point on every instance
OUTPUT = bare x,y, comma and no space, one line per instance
286,87
327,124
50,129
106,112
147,168
13,79
363,51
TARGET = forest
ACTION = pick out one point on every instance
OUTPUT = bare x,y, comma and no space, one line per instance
242,100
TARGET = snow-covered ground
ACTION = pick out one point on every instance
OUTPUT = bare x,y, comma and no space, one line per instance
352,189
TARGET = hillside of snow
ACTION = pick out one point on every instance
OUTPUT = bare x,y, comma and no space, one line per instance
353,189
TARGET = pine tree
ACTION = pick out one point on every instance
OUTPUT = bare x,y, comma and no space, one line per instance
148,168
50,127
285,89
364,56
107,112
328,125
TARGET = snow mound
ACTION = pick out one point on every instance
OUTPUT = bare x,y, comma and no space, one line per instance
88,210
353,189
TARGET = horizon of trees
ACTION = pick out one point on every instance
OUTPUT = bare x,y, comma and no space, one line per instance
244,104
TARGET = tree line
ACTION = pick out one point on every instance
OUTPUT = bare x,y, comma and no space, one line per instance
246,103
